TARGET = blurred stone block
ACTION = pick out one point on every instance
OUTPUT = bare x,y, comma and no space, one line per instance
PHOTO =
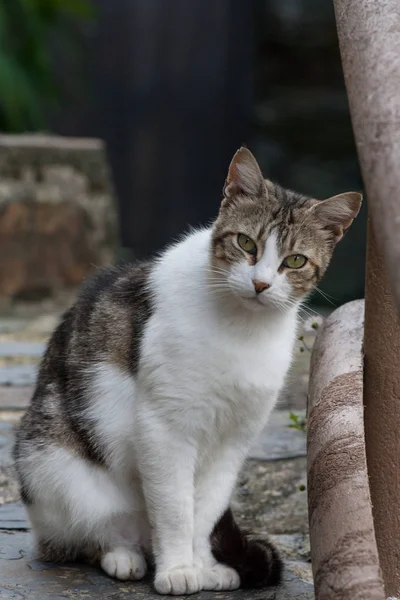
58,217
15,397
19,375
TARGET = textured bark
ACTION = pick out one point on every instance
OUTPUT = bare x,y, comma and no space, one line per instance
382,413
369,39
343,547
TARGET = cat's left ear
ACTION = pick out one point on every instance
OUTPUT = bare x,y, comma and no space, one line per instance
244,175
338,213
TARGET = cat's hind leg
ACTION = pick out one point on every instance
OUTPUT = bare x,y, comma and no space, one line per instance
80,510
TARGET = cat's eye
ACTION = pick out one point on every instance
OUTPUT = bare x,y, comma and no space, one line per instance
247,244
295,261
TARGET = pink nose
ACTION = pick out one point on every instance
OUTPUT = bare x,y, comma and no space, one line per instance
260,286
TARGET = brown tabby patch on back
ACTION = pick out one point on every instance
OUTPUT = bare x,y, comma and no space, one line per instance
106,323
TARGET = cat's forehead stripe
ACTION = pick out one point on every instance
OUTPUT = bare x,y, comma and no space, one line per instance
271,247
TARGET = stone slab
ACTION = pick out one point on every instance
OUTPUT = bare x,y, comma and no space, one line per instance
58,215
271,499
11,324
279,440
22,577
13,517
15,397
12,349
24,374
6,443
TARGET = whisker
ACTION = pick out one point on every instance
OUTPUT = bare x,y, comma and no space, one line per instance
311,311
328,295
217,270
325,296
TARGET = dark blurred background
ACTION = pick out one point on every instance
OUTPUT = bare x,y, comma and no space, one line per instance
174,88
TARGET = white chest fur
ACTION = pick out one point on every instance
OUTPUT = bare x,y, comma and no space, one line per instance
210,363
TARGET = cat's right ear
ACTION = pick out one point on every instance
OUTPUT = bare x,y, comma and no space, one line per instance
244,176
338,213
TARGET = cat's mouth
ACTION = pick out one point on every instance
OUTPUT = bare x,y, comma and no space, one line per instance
254,302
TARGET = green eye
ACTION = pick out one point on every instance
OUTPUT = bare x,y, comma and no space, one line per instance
295,261
247,244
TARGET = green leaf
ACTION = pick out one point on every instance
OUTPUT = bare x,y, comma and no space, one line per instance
17,98
27,82
297,422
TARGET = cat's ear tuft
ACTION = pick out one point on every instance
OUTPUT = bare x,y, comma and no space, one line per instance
338,213
244,175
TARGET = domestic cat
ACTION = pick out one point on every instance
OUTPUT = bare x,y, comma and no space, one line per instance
157,381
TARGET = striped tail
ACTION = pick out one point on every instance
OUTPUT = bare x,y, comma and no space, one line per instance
257,562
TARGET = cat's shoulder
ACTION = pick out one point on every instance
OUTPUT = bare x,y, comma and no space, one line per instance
121,282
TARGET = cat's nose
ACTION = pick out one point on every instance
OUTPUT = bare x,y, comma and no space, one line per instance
260,286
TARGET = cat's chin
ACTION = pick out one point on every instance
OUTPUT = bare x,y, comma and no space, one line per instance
255,304
258,304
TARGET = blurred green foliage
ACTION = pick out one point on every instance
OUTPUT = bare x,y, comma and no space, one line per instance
297,422
28,29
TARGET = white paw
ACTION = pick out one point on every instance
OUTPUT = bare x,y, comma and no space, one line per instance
179,581
124,564
220,577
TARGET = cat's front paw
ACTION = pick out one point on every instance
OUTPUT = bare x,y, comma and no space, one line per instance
179,581
220,577
124,564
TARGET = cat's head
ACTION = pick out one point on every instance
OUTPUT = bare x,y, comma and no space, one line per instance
271,246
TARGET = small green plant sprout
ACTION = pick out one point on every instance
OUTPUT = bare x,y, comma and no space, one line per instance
297,422
304,346
310,326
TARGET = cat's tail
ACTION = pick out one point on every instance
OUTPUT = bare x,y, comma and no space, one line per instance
257,562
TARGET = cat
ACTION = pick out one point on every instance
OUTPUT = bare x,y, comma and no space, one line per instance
157,381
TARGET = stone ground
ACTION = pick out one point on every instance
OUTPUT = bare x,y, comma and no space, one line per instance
271,499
